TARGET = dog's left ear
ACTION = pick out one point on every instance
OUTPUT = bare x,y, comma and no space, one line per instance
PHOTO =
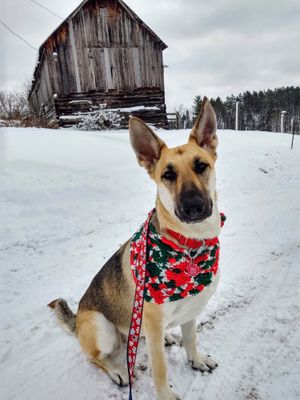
146,145
205,128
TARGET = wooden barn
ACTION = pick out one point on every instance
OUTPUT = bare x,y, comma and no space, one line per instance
103,53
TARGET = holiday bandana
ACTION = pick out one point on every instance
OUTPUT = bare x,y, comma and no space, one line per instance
173,272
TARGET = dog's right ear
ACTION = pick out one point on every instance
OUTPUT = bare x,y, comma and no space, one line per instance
204,132
146,145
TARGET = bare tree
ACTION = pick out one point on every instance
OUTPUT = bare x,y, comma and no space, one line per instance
14,104
6,104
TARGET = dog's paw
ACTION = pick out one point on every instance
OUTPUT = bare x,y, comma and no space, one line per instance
203,363
168,395
119,376
169,340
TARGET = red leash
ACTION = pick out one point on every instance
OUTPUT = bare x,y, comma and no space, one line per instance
138,304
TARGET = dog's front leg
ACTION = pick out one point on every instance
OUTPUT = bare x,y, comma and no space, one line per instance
198,360
155,339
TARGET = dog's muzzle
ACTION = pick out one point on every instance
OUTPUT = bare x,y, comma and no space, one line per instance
192,207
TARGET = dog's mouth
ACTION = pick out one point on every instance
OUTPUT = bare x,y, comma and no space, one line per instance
198,212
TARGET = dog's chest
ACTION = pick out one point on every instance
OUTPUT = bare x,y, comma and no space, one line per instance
182,311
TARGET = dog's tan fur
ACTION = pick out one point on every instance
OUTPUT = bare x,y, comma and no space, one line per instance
87,333
182,160
104,311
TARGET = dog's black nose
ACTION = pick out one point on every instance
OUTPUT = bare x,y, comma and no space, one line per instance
192,208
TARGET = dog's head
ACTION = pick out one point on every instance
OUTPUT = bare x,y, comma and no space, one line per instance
185,175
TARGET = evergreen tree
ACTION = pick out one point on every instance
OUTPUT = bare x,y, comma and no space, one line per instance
258,110
197,105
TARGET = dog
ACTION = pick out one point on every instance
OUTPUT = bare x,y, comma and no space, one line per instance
186,204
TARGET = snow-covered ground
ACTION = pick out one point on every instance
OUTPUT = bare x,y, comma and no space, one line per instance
69,199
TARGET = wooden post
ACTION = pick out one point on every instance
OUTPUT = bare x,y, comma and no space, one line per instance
293,133
177,120
282,121
237,115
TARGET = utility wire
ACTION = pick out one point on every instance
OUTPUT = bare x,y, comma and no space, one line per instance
18,36
47,9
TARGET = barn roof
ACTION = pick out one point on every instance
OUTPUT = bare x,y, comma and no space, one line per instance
123,5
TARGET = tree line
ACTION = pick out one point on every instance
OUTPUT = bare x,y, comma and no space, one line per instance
258,110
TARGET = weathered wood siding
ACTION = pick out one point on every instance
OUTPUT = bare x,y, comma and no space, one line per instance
113,51
153,110
99,49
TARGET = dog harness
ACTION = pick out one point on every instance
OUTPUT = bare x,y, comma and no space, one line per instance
164,271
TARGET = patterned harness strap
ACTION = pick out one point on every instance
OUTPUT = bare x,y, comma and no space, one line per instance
138,304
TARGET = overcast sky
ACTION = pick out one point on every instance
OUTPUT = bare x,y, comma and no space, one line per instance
216,48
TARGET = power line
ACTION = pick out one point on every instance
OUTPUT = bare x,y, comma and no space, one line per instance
47,9
20,37
17,35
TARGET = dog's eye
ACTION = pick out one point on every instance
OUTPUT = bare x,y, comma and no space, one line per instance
170,175
200,167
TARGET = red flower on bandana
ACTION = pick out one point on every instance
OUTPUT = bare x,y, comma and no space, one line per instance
184,293
157,295
179,279
182,265
163,286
